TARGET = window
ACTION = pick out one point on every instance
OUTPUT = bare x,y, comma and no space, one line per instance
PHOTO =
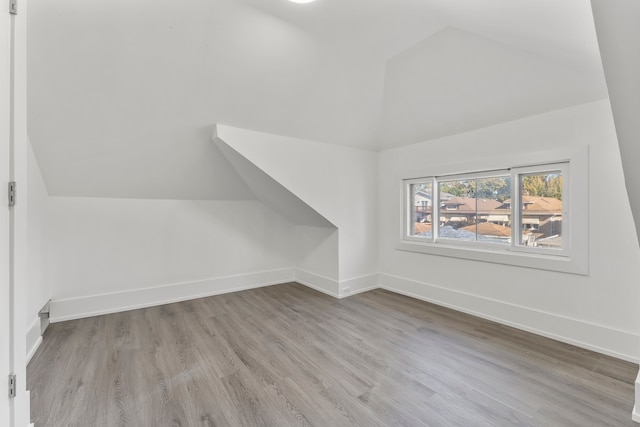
421,201
480,208
516,216
541,215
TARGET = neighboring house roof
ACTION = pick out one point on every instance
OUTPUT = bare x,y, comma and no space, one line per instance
539,204
489,229
468,204
421,227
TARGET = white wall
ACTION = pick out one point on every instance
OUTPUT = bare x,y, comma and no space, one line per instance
618,33
270,192
37,244
112,254
338,182
598,311
317,261
316,238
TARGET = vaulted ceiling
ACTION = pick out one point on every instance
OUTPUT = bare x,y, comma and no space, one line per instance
123,94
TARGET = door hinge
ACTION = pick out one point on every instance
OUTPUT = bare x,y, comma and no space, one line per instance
12,385
13,7
12,193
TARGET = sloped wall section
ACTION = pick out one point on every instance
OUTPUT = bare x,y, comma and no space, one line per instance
338,182
316,238
618,33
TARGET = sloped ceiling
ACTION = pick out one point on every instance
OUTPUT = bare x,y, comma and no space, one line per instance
122,94
456,81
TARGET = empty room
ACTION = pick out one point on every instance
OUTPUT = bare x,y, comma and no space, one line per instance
320,213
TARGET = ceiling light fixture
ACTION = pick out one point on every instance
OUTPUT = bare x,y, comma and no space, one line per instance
301,1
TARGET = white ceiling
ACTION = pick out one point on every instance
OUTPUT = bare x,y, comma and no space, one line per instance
123,93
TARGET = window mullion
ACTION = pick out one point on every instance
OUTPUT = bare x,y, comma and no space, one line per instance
476,203
435,209
516,227
408,209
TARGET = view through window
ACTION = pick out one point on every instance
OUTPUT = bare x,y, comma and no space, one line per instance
478,208
541,209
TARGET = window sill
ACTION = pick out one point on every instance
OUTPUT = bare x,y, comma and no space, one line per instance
563,264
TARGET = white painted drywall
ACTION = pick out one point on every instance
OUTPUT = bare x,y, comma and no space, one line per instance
102,246
456,81
142,70
340,183
317,258
270,192
599,310
316,238
618,34
37,245
154,163
317,251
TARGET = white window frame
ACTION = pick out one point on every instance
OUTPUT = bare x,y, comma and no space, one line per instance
409,209
516,212
572,258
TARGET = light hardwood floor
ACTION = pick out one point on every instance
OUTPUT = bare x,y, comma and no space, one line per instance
287,355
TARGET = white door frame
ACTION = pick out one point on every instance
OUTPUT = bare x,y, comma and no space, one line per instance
14,411
5,153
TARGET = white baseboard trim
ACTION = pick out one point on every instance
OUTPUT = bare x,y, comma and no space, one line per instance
357,285
95,305
34,338
337,288
28,404
602,339
635,415
318,282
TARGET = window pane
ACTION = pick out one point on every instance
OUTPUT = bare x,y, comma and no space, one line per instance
457,209
421,213
541,204
494,210
476,210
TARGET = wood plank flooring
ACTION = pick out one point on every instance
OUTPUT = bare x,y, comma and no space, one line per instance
287,355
